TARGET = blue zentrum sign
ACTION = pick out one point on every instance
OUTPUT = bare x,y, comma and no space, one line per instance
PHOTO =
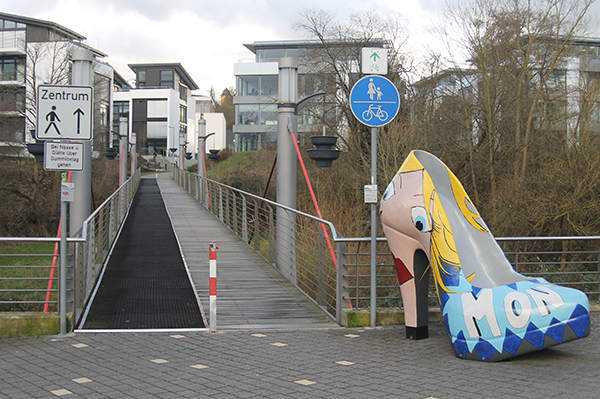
374,100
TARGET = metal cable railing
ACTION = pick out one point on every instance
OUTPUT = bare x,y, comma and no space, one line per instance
24,272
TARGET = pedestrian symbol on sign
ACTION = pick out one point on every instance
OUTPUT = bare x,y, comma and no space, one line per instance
52,117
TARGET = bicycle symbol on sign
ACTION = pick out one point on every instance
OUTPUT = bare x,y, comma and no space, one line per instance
375,112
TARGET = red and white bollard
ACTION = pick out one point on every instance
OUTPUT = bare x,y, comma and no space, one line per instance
212,275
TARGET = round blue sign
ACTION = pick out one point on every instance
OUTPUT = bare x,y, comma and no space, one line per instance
374,100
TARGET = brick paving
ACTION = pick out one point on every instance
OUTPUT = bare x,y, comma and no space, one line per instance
379,363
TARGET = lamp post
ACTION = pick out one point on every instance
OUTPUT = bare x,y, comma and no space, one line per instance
123,147
182,142
202,155
287,162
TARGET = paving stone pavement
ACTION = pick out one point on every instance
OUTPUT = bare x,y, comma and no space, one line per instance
287,363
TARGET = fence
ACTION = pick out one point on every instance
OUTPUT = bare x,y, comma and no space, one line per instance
343,280
24,276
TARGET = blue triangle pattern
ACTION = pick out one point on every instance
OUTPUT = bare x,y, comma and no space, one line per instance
556,330
511,342
484,349
444,298
513,286
535,336
579,321
475,291
461,345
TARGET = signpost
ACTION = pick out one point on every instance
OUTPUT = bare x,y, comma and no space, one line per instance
64,112
375,102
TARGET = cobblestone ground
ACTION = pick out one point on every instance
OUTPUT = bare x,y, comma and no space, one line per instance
329,363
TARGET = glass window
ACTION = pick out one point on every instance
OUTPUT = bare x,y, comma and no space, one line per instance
103,114
8,69
268,114
292,52
269,85
269,55
9,24
182,114
248,85
166,78
248,114
120,110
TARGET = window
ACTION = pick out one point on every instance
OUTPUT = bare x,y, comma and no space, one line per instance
120,110
7,24
269,85
12,99
248,85
141,80
258,85
257,114
182,113
8,69
166,78
183,91
103,114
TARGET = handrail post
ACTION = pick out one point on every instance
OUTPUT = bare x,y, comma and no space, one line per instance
244,219
220,204
256,232
341,281
321,273
272,248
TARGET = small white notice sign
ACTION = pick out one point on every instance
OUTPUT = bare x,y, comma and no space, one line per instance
67,191
370,194
59,155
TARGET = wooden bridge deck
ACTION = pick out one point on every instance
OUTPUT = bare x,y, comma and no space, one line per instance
250,292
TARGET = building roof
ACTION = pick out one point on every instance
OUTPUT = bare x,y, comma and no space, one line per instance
187,79
120,80
67,33
305,44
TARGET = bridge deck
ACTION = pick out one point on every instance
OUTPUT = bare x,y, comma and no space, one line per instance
250,292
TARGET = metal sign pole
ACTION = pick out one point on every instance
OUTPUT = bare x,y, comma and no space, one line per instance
63,268
374,229
374,101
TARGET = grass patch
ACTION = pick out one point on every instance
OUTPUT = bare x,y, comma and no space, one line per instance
24,269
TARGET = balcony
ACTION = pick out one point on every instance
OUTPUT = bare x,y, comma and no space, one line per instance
12,42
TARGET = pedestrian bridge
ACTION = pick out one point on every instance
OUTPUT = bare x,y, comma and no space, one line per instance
157,274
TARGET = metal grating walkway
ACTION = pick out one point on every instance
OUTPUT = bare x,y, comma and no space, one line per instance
145,284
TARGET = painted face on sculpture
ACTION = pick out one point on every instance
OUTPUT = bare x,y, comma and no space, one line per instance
403,210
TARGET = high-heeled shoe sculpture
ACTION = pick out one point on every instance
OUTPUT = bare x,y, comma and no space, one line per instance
491,312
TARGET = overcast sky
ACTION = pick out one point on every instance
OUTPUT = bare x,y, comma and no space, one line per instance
205,36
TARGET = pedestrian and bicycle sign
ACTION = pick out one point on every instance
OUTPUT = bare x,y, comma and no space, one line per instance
64,112
374,100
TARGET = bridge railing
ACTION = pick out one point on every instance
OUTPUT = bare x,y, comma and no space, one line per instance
343,279
27,279
99,232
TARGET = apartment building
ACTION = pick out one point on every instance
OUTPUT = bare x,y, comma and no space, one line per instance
33,52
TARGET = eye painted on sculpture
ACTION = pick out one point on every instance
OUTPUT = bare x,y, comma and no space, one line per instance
389,191
420,219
